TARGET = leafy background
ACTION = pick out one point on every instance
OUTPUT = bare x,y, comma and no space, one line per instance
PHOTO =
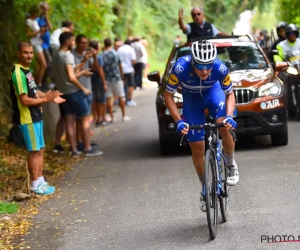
155,20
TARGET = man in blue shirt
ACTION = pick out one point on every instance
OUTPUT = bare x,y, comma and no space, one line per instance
43,21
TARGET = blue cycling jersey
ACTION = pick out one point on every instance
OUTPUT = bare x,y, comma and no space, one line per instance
198,94
183,74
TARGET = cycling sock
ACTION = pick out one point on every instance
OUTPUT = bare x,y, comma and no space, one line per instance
201,178
229,159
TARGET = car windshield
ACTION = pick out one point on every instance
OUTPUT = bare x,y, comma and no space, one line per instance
242,57
237,56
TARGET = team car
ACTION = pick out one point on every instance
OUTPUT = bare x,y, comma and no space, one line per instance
259,93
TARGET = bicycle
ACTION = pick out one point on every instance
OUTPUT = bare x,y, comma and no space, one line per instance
215,187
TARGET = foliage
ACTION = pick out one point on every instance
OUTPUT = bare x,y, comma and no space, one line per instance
288,11
94,18
224,14
12,30
8,208
269,17
157,21
13,179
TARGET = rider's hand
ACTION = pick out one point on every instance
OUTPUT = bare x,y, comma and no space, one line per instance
182,127
229,122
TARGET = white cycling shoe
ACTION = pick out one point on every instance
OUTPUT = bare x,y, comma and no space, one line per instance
233,174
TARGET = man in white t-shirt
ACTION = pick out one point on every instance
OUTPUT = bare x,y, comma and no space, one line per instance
128,59
54,38
138,66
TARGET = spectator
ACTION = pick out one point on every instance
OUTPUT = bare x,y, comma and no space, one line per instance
43,21
118,43
177,40
27,113
128,59
75,93
113,74
34,32
54,38
145,58
88,58
138,66
99,87
199,27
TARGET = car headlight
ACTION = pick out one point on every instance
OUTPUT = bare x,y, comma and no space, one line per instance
270,89
292,71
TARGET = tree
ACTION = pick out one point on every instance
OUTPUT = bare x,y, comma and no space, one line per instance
288,11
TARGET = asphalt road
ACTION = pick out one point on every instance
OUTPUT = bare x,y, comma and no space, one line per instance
131,198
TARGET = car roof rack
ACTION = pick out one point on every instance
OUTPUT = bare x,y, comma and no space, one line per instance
218,37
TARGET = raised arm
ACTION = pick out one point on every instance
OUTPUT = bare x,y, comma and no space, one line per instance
182,26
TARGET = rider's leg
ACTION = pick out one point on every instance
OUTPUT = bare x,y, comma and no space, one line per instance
198,148
217,109
228,145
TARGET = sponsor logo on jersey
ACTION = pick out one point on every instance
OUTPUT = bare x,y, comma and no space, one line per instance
222,69
227,80
173,80
221,104
178,69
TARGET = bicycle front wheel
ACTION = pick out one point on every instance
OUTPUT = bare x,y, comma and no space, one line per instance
224,197
211,195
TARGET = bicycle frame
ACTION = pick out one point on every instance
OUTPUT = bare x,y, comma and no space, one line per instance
214,144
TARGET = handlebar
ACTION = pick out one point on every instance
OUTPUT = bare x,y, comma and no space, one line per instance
208,126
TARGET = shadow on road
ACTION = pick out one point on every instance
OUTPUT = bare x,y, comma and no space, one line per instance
149,149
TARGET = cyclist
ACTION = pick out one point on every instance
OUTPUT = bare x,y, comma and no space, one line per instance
289,50
205,83
280,29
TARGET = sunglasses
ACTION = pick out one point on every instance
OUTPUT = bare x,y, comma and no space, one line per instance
203,66
196,14
292,33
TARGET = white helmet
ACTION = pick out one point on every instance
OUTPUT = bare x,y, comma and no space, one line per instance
203,52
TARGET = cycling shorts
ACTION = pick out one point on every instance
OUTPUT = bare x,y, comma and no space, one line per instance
194,106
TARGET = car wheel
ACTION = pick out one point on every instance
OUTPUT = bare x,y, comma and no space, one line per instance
280,139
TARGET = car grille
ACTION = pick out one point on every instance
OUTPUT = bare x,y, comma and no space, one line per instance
243,96
246,122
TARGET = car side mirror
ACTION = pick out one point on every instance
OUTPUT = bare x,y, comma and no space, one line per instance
154,77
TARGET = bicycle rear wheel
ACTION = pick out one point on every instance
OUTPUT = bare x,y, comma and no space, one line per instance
211,196
224,197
